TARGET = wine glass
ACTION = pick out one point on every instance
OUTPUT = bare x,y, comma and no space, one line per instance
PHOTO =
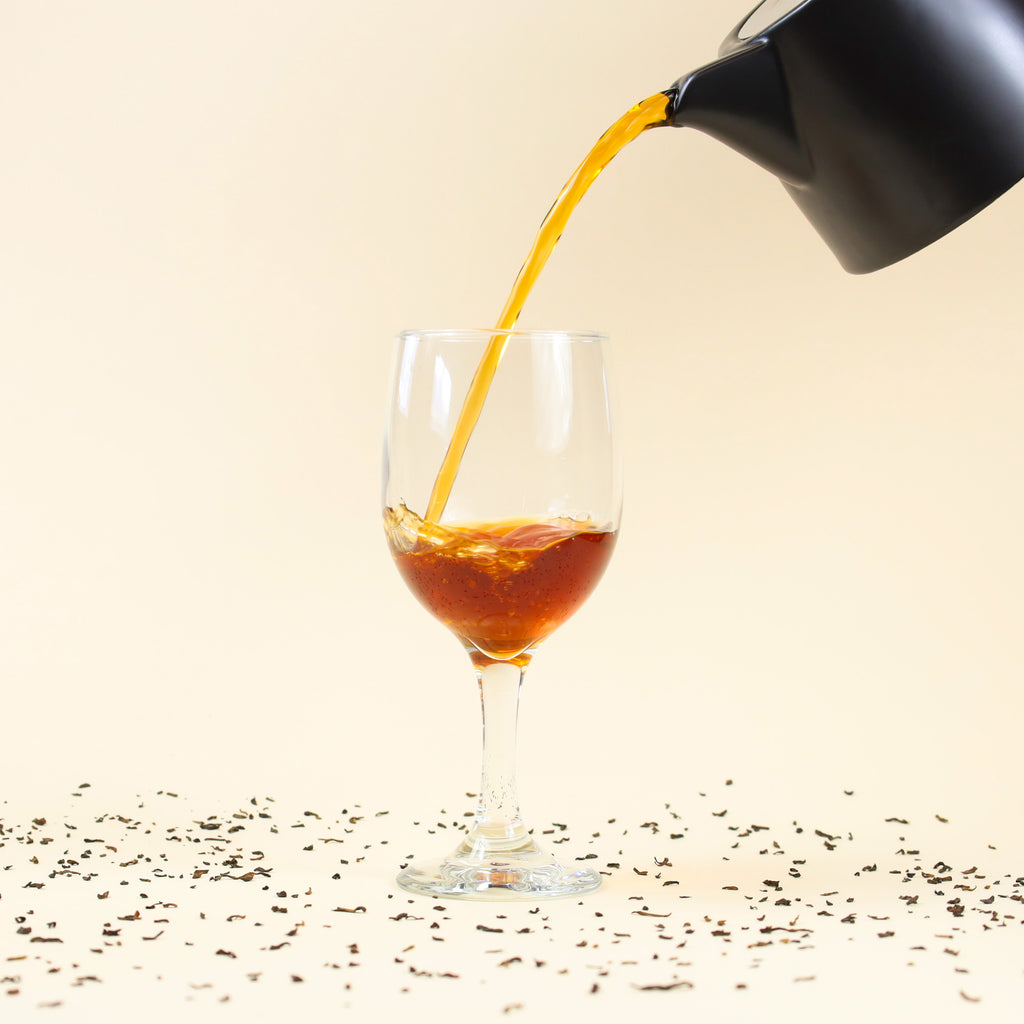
509,554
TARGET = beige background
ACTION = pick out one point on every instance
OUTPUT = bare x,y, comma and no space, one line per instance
216,215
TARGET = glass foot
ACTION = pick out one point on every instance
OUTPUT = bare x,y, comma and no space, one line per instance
525,873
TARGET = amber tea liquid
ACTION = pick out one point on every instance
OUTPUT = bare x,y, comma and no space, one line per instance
500,587
503,587
648,114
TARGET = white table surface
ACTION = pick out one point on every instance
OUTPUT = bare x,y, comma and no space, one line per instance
716,906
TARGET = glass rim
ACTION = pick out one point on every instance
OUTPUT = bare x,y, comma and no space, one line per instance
476,334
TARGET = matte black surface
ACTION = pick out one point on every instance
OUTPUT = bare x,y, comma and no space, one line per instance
889,122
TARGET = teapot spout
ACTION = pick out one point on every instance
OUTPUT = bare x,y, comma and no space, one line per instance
742,100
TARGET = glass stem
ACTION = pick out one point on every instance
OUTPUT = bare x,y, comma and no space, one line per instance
498,827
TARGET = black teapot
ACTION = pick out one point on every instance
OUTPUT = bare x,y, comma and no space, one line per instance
889,122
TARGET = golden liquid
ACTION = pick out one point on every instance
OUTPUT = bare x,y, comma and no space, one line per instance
501,587
648,114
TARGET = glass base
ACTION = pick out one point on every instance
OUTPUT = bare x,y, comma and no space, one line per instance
525,873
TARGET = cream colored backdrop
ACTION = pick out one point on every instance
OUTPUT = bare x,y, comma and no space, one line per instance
215,216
